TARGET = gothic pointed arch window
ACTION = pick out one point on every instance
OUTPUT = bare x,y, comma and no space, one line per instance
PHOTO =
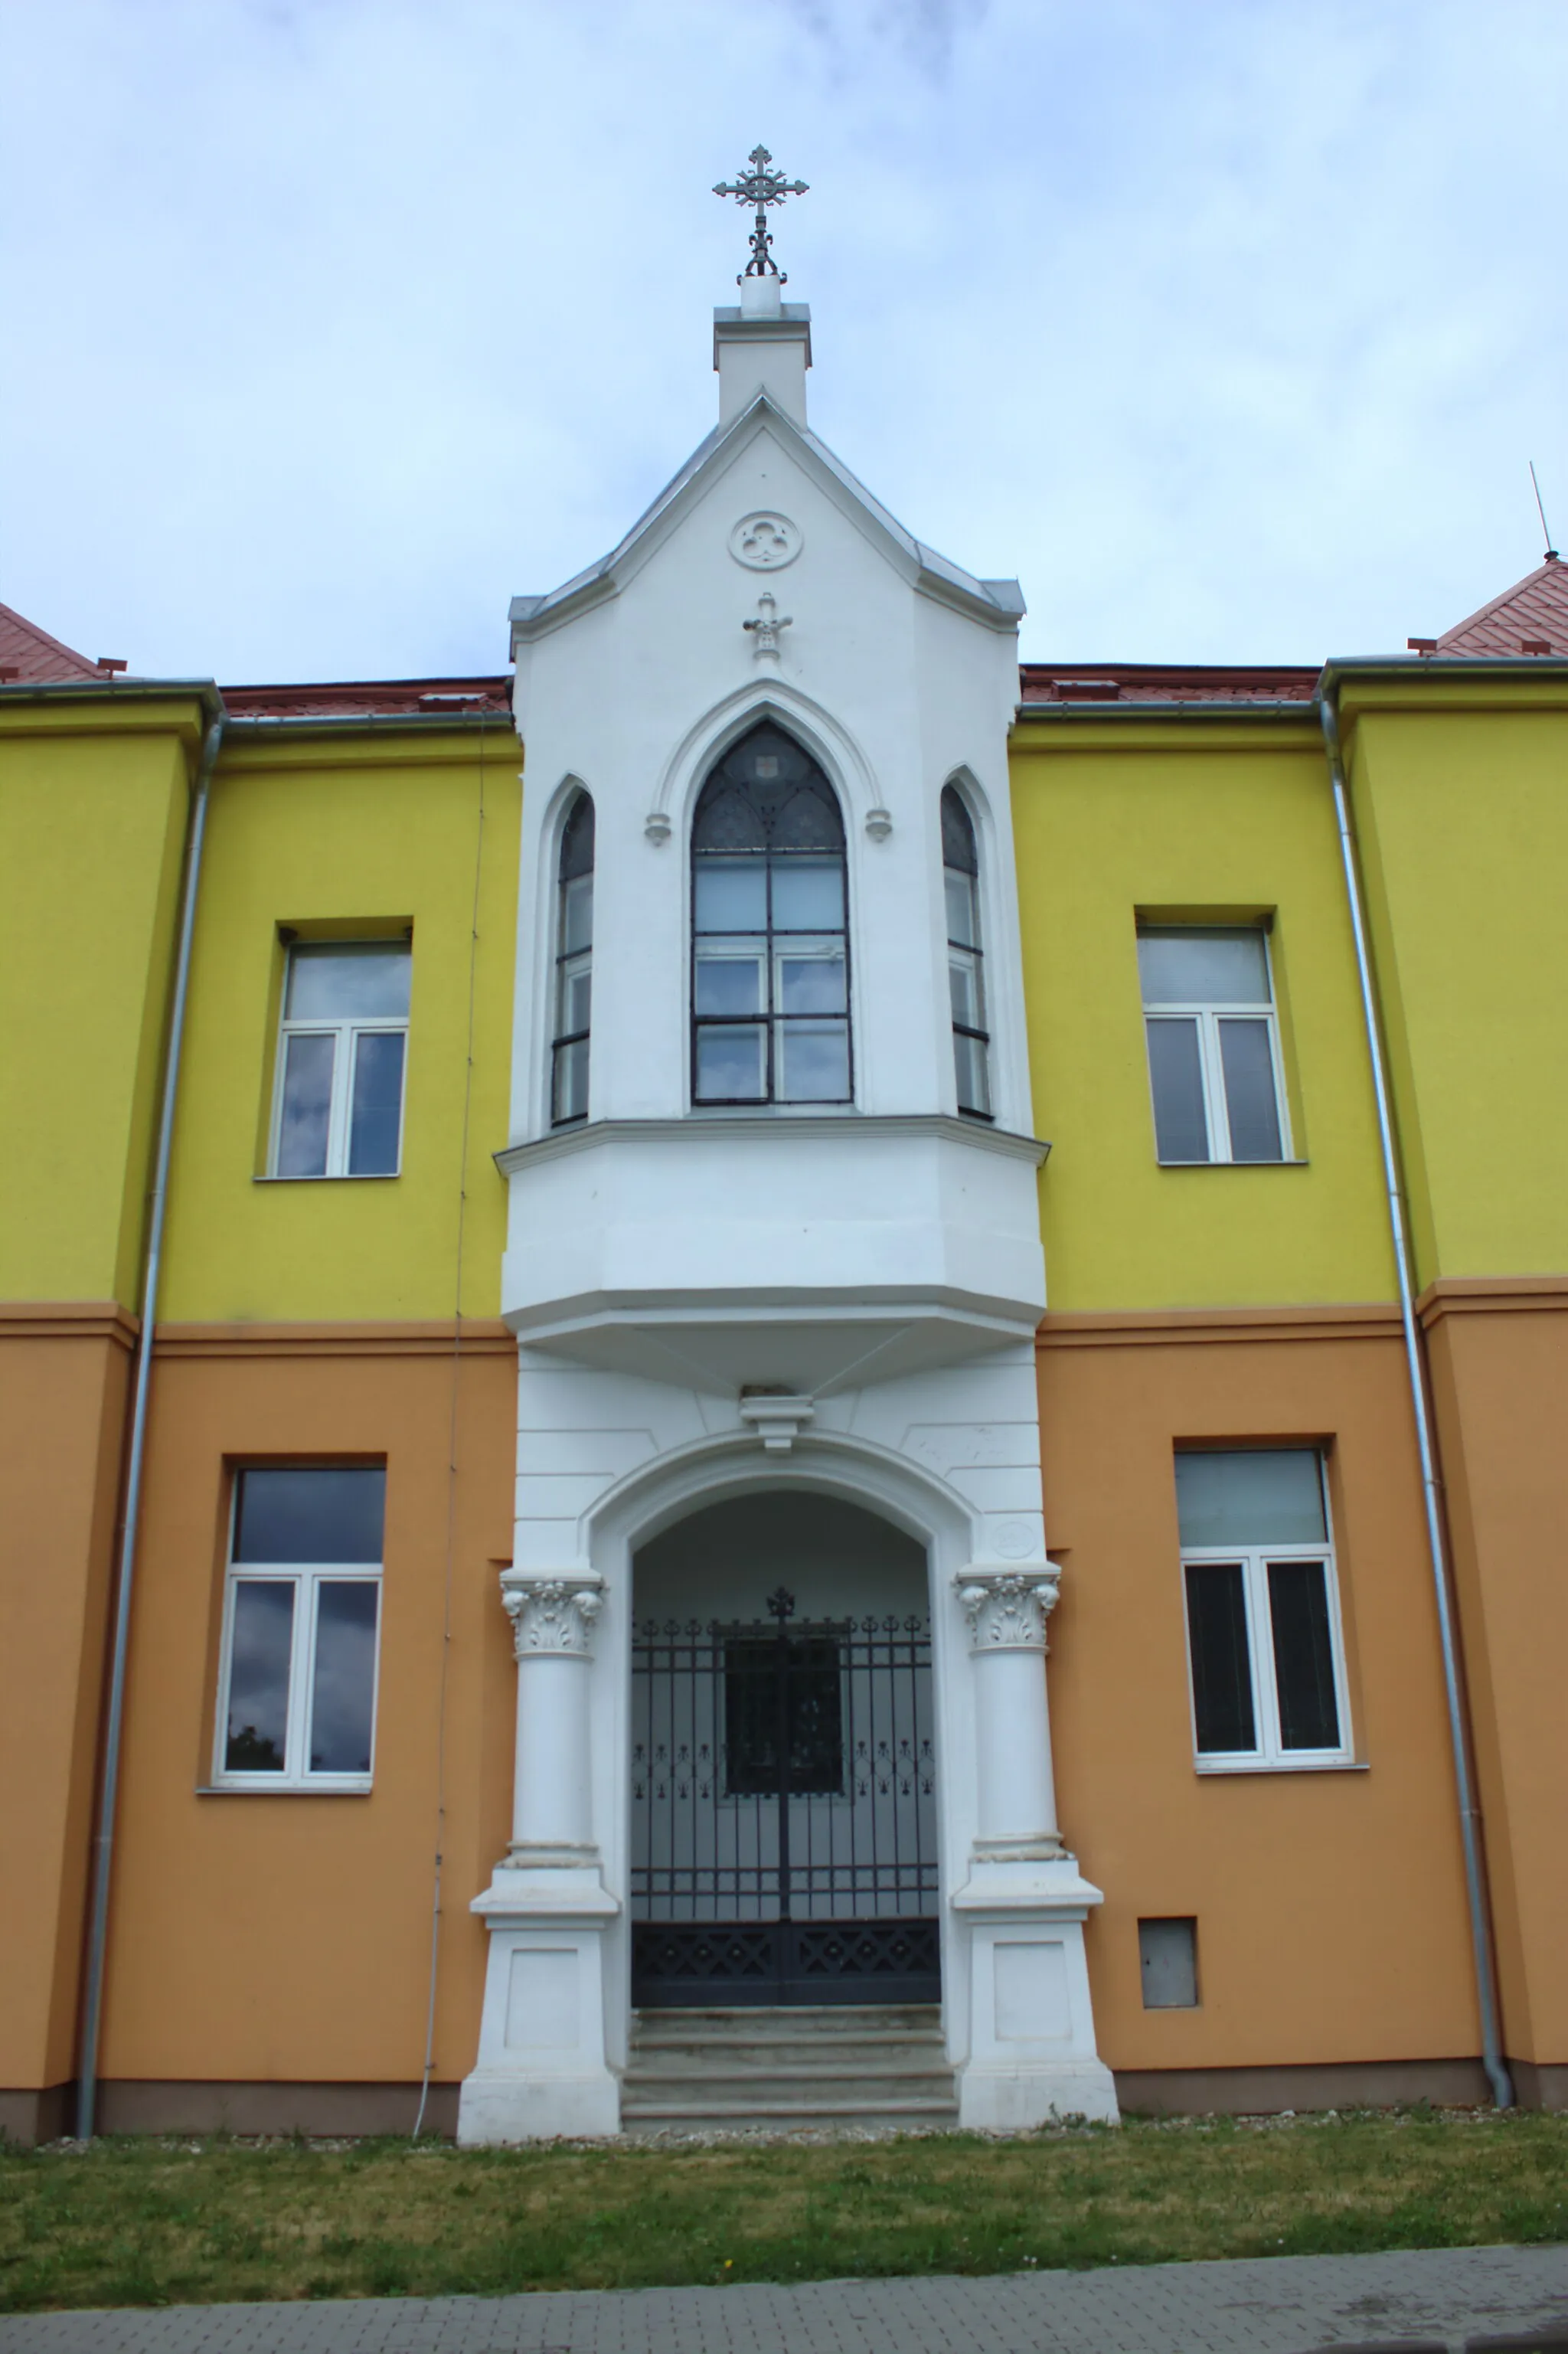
574,967
770,1019
966,961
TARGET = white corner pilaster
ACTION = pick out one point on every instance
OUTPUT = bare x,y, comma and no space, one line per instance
1032,2034
542,2069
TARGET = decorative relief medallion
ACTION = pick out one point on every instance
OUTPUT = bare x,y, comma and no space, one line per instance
1007,1608
765,542
551,1614
1015,1540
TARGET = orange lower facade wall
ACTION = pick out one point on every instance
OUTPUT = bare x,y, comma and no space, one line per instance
1499,1363
63,1387
1331,1923
279,1939
268,1957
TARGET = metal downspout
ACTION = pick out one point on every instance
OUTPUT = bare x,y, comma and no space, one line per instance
103,1845
1425,1434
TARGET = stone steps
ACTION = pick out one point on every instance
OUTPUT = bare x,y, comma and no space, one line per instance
877,2067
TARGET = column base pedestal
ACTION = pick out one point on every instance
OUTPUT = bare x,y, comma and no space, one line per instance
1032,2057
541,2074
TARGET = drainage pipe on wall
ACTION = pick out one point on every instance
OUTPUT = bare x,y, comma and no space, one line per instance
1420,1394
103,1845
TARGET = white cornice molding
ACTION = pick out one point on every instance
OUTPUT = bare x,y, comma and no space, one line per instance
719,1127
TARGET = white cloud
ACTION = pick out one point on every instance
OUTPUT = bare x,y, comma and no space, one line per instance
1228,324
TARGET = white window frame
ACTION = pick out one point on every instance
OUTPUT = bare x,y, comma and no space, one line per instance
345,1052
1209,1014
1270,1756
307,1578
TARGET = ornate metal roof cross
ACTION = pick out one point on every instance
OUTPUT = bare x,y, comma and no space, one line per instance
761,186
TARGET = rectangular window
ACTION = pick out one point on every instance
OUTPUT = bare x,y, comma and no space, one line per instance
1263,1647
297,1701
340,1060
770,980
1214,1045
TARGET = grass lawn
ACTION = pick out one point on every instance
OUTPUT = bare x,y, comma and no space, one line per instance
154,2221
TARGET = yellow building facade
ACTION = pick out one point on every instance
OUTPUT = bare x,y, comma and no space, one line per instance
282,1932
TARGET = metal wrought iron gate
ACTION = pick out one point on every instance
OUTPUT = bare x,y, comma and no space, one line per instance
783,1811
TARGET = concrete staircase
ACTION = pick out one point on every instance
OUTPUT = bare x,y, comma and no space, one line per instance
788,2071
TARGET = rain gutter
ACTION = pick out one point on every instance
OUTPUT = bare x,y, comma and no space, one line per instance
1471,1835
103,1845
1095,709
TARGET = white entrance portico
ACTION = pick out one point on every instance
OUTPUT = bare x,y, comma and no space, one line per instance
1017,2013
774,1222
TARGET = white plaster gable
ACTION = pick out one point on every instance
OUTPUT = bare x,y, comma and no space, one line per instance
885,1241
998,602
895,669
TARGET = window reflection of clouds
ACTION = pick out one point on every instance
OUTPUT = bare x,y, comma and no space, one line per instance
329,1513
344,1677
258,1675
307,1097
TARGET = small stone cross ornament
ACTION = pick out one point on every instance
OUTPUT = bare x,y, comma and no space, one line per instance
765,626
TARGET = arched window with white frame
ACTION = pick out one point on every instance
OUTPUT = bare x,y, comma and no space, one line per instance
966,961
574,967
770,1007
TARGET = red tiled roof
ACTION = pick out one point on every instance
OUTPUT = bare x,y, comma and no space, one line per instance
391,698
1531,618
1134,682
33,655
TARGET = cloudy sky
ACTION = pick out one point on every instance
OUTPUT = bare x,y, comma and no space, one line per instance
1228,325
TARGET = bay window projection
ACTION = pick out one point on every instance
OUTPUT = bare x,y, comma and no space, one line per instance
769,939
574,968
297,1695
1265,1649
1214,1045
966,970
341,1055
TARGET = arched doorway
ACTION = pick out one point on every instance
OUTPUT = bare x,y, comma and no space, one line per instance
782,1753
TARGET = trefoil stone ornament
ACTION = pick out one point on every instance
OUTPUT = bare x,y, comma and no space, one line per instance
765,625
556,1614
1007,1608
765,541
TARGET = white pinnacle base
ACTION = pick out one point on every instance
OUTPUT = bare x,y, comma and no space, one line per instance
541,2071
999,2099
1031,2031
504,2106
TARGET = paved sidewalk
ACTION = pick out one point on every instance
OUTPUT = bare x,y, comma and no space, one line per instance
1283,2305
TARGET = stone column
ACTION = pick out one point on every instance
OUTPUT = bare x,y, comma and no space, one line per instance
1006,1610
1031,2027
553,1622
542,2069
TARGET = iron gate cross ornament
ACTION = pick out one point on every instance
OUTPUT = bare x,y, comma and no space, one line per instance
761,186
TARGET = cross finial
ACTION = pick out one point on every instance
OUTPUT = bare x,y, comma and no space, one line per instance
761,186
766,624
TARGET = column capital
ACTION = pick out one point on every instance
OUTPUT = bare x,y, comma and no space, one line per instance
1007,1608
552,1611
